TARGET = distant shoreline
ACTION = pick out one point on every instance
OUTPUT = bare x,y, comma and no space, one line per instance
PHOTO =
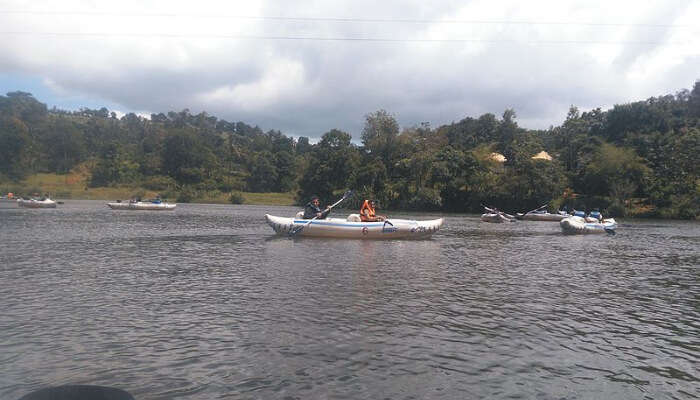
73,186
274,199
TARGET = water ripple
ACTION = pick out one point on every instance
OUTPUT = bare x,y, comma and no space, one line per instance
205,303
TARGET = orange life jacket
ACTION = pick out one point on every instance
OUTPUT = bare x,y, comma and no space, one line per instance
370,214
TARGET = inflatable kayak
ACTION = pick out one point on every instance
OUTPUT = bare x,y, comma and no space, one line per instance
495,216
581,225
34,203
353,228
141,205
541,216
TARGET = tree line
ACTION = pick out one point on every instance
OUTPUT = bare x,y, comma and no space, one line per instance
635,159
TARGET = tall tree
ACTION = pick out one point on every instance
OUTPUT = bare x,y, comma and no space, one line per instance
14,144
379,136
330,164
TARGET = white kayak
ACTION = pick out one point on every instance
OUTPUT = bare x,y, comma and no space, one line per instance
141,205
34,203
353,228
496,216
582,225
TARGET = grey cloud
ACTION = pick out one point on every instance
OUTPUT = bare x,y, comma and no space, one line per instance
433,82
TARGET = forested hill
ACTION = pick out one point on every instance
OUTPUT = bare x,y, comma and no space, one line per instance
639,158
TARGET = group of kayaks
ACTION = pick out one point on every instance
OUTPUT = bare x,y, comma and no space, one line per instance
576,223
152,205
353,227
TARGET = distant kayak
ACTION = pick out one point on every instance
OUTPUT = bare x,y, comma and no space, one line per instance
582,225
141,205
34,203
495,216
353,228
541,216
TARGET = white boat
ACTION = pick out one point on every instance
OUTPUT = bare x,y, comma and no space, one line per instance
580,224
353,228
142,205
541,214
35,203
495,216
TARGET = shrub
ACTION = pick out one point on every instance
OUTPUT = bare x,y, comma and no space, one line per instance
236,198
186,195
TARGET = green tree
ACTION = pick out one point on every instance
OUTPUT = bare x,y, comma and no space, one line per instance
615,171
114,166
330,164
508,131
379,136
64,145
369,181
453,173
14,143
263,174
303,145
694,101
286,171
24,106
532,183
186,158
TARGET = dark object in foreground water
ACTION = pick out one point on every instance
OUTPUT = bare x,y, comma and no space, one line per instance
78,392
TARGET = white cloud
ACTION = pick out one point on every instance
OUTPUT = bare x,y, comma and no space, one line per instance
280,82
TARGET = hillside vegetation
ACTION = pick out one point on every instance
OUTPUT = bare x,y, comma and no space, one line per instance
635,159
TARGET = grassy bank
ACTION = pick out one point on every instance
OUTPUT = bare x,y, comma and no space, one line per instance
73,186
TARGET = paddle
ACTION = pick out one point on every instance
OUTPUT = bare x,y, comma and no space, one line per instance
298,229
539,208
491,210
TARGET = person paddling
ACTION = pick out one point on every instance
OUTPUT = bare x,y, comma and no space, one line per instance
313,210
368,213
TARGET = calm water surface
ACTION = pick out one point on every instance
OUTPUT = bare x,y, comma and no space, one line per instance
205,303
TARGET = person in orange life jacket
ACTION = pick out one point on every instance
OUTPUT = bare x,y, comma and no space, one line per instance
368,213
312,209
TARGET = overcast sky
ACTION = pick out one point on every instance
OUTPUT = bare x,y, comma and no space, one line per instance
305,67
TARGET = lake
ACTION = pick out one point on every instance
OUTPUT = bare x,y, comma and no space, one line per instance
205,303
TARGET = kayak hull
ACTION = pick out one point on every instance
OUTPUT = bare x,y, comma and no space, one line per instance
139,205
579,225
541,217
342,228
48,203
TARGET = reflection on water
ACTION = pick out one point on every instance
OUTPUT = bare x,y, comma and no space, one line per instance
206,303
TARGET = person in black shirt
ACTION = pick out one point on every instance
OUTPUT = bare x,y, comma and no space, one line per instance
312,209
